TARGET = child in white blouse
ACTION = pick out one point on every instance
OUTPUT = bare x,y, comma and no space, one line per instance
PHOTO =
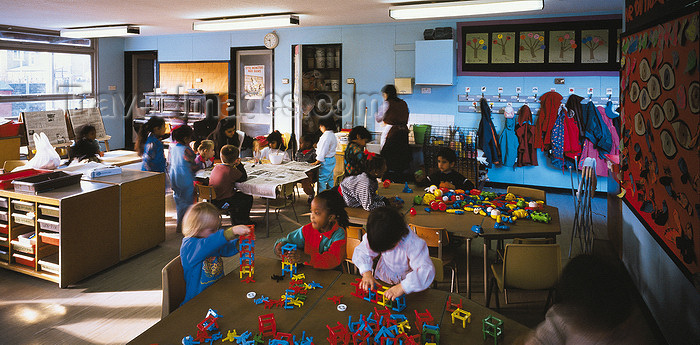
325,153
403,256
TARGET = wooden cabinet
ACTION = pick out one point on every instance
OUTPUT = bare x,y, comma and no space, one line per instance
63,235
435,62
179,107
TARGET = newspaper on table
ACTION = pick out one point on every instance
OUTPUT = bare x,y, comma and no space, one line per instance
264,179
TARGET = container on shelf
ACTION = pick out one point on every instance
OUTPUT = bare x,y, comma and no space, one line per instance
320,58
44,182
3,202
4,229
330,58
22,247
6,179
335,85
46,224
3,241
24,259
3,216
50,264
4,254
24,219
51,211
22,206
50,238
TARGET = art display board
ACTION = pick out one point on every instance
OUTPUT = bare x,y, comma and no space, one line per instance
52,123
88,116
660,87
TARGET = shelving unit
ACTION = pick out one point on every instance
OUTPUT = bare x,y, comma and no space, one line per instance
63,235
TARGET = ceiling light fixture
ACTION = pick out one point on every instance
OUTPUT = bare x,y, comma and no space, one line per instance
245,23
463,8
101,31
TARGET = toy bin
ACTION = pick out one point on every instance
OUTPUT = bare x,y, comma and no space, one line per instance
3,241
49,264
6,179
50,225
25,260
27,248
22,206
3,216
50,238
45,182
51,211
24,219
4,229
3,202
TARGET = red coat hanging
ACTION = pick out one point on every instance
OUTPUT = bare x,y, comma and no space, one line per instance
527,154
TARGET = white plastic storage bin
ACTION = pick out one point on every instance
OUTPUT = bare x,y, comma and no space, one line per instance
50,225
22,206
24,219
3,202
3,216
46,210
50,264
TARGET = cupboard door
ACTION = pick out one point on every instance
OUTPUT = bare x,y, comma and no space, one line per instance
435,62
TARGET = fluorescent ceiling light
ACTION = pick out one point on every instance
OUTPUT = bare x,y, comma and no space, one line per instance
101,31
245,23
463,8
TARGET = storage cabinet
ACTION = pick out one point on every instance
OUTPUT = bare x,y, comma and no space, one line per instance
178,107
63,235
435,62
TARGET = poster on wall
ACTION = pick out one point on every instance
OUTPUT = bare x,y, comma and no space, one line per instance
531,45
477,48
52,123
502,47
254,82
562,46
661,107
594,44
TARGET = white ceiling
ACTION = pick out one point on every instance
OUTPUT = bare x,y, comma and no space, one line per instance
161,17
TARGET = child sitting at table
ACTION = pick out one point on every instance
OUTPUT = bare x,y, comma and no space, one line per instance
325,152
205,154
403,256
445,176
321,243
355,151
85,147
275,141
204,245
223,179
307,153
181,171
361,190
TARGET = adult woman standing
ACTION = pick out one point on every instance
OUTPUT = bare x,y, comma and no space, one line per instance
394,141
225,133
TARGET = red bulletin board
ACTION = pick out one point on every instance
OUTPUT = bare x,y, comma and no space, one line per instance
661,108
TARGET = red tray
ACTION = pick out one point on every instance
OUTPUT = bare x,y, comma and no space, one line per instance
6,179
24,260
3,229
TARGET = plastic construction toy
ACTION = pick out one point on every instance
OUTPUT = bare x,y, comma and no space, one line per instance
407,189
288,266
453,306
493,327
541,217
386,183
460,314
430,334
477,229
501,226
412,211
335,299
377,296
267,325
423,319
246,248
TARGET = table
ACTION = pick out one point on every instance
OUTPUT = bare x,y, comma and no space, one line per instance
120,157
227,297
460,225
265,180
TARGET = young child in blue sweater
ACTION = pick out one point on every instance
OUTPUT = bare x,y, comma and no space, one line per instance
181,171
204,245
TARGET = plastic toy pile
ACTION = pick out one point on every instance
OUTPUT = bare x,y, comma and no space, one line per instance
377,296
383,327
504,208
246,248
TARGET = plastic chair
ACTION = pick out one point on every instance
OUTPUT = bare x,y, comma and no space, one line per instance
173,280
286,198
205,193
355,232
526,267
352,243
536,194
437,238
10,165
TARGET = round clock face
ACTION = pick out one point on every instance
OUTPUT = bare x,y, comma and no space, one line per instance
271,40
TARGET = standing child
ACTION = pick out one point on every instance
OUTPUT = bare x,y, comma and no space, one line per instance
361,190
181,171
149,146
204,245
325,152
355,152
223,178
445,176
307,153
403,256
321,242
205,154
86,147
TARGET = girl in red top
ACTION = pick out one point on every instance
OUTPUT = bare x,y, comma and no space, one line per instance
321,243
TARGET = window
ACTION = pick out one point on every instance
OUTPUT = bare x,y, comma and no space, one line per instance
40,70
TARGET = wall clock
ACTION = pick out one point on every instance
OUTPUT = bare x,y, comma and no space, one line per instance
271,40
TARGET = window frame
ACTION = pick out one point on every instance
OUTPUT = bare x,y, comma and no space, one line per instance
92,51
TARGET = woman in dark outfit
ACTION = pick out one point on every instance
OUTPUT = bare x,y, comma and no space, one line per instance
395,148
225,134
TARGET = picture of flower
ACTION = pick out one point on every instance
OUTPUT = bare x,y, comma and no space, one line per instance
476,48
595,46
503,47
531,46
562,46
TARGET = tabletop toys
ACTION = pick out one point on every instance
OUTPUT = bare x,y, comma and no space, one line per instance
493,327
376,295
379,327
287,265
246,248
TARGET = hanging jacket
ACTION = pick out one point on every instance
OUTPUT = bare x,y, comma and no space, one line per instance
575,110
488,140
590,149
509,143
526,138
595,129
558,140
572,141
549,106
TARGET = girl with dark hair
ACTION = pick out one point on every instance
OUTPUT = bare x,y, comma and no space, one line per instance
361,190
85,147
275,141
403,256
181,171
354,152
325,152
149,146
394,141
225,133
320,243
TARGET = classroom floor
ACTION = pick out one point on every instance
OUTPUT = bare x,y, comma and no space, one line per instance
116,305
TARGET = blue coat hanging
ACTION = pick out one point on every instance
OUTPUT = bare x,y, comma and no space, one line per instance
509,143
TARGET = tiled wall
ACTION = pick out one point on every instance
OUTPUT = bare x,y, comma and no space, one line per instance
214,76
433,119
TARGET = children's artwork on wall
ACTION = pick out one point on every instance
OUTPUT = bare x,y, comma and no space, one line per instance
531,45
594,45
661,106
477,48
503,47
562,46
542,45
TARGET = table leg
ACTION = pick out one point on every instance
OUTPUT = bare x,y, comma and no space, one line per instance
469,275
267,216
486,275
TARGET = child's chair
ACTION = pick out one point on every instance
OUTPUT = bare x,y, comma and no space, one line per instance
173,280
436,238
207,194
355,232
352,243
286,198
